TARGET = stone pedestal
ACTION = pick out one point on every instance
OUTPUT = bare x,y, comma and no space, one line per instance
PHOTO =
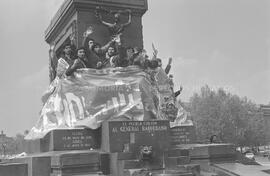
65,139
75,16
130,136
62,163
212,152
80,162
13,169
182,135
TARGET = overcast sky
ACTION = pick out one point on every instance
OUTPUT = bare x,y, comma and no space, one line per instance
222,43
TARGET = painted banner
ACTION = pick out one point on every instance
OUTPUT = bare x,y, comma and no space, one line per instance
92,96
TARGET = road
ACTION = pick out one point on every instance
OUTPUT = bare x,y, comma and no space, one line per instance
262,160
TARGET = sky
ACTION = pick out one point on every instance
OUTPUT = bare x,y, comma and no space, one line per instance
221,43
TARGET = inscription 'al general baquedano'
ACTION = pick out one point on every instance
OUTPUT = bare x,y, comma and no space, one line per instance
140,127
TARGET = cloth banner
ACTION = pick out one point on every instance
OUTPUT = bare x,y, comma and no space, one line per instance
92,96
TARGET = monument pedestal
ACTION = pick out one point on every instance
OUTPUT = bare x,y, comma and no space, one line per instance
13,169
65,163
182,135
65,139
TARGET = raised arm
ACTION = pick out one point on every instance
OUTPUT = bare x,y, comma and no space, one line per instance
129,18
86,37
168,67
104,48
72,42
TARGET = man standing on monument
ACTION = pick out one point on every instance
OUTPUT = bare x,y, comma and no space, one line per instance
94,51
78,63
65,61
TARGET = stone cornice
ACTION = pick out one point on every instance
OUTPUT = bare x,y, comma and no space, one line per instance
69,7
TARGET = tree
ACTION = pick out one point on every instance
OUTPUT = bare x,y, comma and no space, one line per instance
231,118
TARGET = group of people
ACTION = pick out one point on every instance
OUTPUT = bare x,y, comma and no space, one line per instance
113,54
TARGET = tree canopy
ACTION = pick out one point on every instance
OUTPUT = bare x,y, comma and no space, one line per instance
233,119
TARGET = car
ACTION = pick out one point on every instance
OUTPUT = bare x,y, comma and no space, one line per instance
265,153
249,155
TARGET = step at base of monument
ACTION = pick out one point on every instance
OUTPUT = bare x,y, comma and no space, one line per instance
13,169
214,152
66,162
64,140
86,170
192,168
172,162
203,173
173,152
37,165
143,172
78,162
121,163
90,174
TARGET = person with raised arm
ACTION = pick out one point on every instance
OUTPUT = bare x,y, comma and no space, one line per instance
78,63
95,53
168,67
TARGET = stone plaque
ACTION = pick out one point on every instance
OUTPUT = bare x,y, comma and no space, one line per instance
182,135
129,136
73,139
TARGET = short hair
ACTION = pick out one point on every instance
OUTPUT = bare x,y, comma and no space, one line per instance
65,45
80,48
73,48
111,46
90,39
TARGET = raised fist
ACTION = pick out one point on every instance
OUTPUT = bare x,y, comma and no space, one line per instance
72,37
170,60
181,88
99,64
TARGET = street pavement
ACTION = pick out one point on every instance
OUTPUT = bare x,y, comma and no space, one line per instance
262,160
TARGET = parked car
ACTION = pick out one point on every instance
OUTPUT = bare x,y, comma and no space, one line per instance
249,155
266,153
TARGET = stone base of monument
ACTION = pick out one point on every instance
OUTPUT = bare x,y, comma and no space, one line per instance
13,169
135,144
80,162
207,154
172,173
173,162
36,164
131,136
184,134
122,164
213,152
66,163
176,157
65,139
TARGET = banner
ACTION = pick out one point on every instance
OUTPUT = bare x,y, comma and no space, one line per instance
92,96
